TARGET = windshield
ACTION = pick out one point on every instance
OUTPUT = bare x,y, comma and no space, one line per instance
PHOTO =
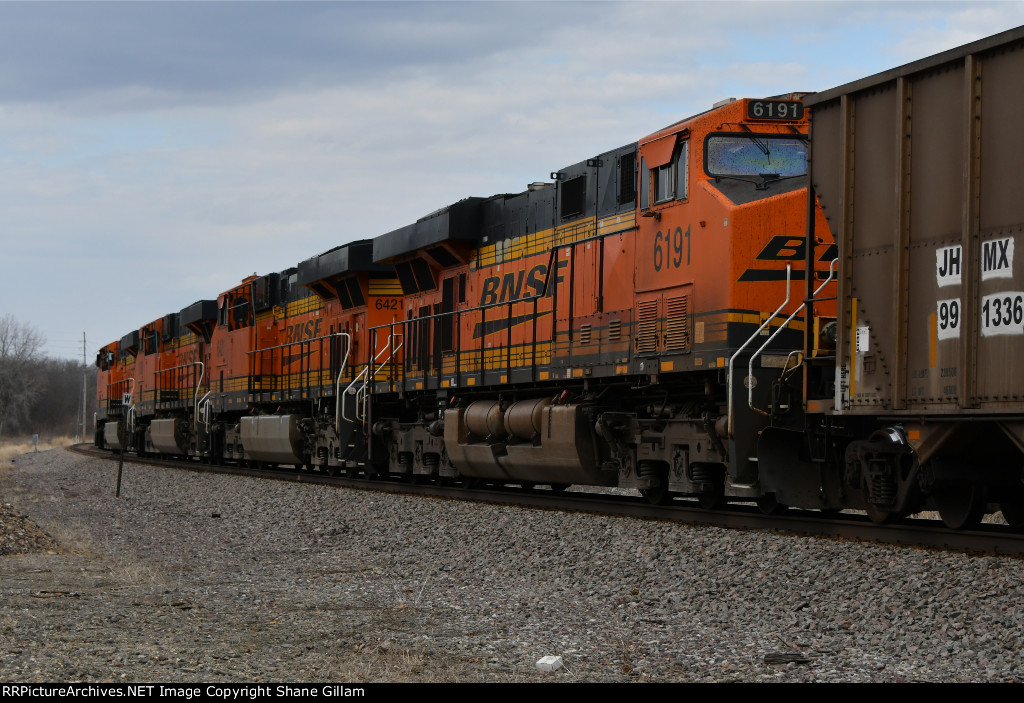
766,155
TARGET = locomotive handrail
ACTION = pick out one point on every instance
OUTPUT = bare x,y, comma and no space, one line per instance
341,372
198,387
750,366
195,396
524,299
130,422
389,346
203,402
348,389
732,359
360,376
305,342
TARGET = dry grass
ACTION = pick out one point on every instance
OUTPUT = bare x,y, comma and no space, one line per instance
16,446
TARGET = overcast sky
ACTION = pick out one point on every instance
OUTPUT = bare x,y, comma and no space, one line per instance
155,153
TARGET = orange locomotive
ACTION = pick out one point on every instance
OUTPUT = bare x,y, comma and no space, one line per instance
252,376
578,332
581,332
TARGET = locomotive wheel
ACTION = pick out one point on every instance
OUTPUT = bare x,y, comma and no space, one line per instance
877,514
656,496
768,504
559,487
712,499
351,472
961,507
1013,513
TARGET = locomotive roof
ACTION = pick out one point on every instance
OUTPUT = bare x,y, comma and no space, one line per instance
347,258
459,221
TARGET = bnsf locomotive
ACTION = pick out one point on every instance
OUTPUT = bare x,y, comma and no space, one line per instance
808,300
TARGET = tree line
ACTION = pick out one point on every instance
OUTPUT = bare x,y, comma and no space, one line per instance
39,394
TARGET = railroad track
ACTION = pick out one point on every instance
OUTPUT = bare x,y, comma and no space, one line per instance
988,538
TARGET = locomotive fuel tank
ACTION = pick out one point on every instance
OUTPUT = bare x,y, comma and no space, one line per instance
563,450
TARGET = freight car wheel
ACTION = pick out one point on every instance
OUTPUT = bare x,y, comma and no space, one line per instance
877,514
960,506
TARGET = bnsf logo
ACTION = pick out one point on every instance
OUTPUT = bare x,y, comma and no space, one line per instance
302,331
786,248
503,289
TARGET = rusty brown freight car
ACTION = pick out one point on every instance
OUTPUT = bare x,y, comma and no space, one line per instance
918,172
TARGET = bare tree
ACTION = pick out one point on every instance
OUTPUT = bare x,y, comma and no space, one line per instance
21,366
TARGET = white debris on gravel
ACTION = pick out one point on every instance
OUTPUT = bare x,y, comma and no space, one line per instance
549,663
299,582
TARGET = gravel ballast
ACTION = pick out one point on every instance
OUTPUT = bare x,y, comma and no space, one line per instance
194,577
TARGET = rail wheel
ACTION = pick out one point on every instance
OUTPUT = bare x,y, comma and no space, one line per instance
713,498
877,513
351,471
960,506
656,496
1013,513
768,504
558,487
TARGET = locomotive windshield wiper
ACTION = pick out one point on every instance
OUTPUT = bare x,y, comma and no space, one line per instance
765,179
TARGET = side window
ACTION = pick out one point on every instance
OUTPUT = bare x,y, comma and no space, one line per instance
670,180
240,313
665,182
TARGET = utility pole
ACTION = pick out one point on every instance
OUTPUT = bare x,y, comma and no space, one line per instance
85,385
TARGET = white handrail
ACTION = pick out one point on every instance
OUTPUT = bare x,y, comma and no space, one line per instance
358,377
750,367
341,372
732,359
362,393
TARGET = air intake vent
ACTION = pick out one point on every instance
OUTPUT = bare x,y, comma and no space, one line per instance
677,324
647,327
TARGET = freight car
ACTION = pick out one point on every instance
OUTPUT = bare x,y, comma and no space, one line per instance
673,316
917,172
